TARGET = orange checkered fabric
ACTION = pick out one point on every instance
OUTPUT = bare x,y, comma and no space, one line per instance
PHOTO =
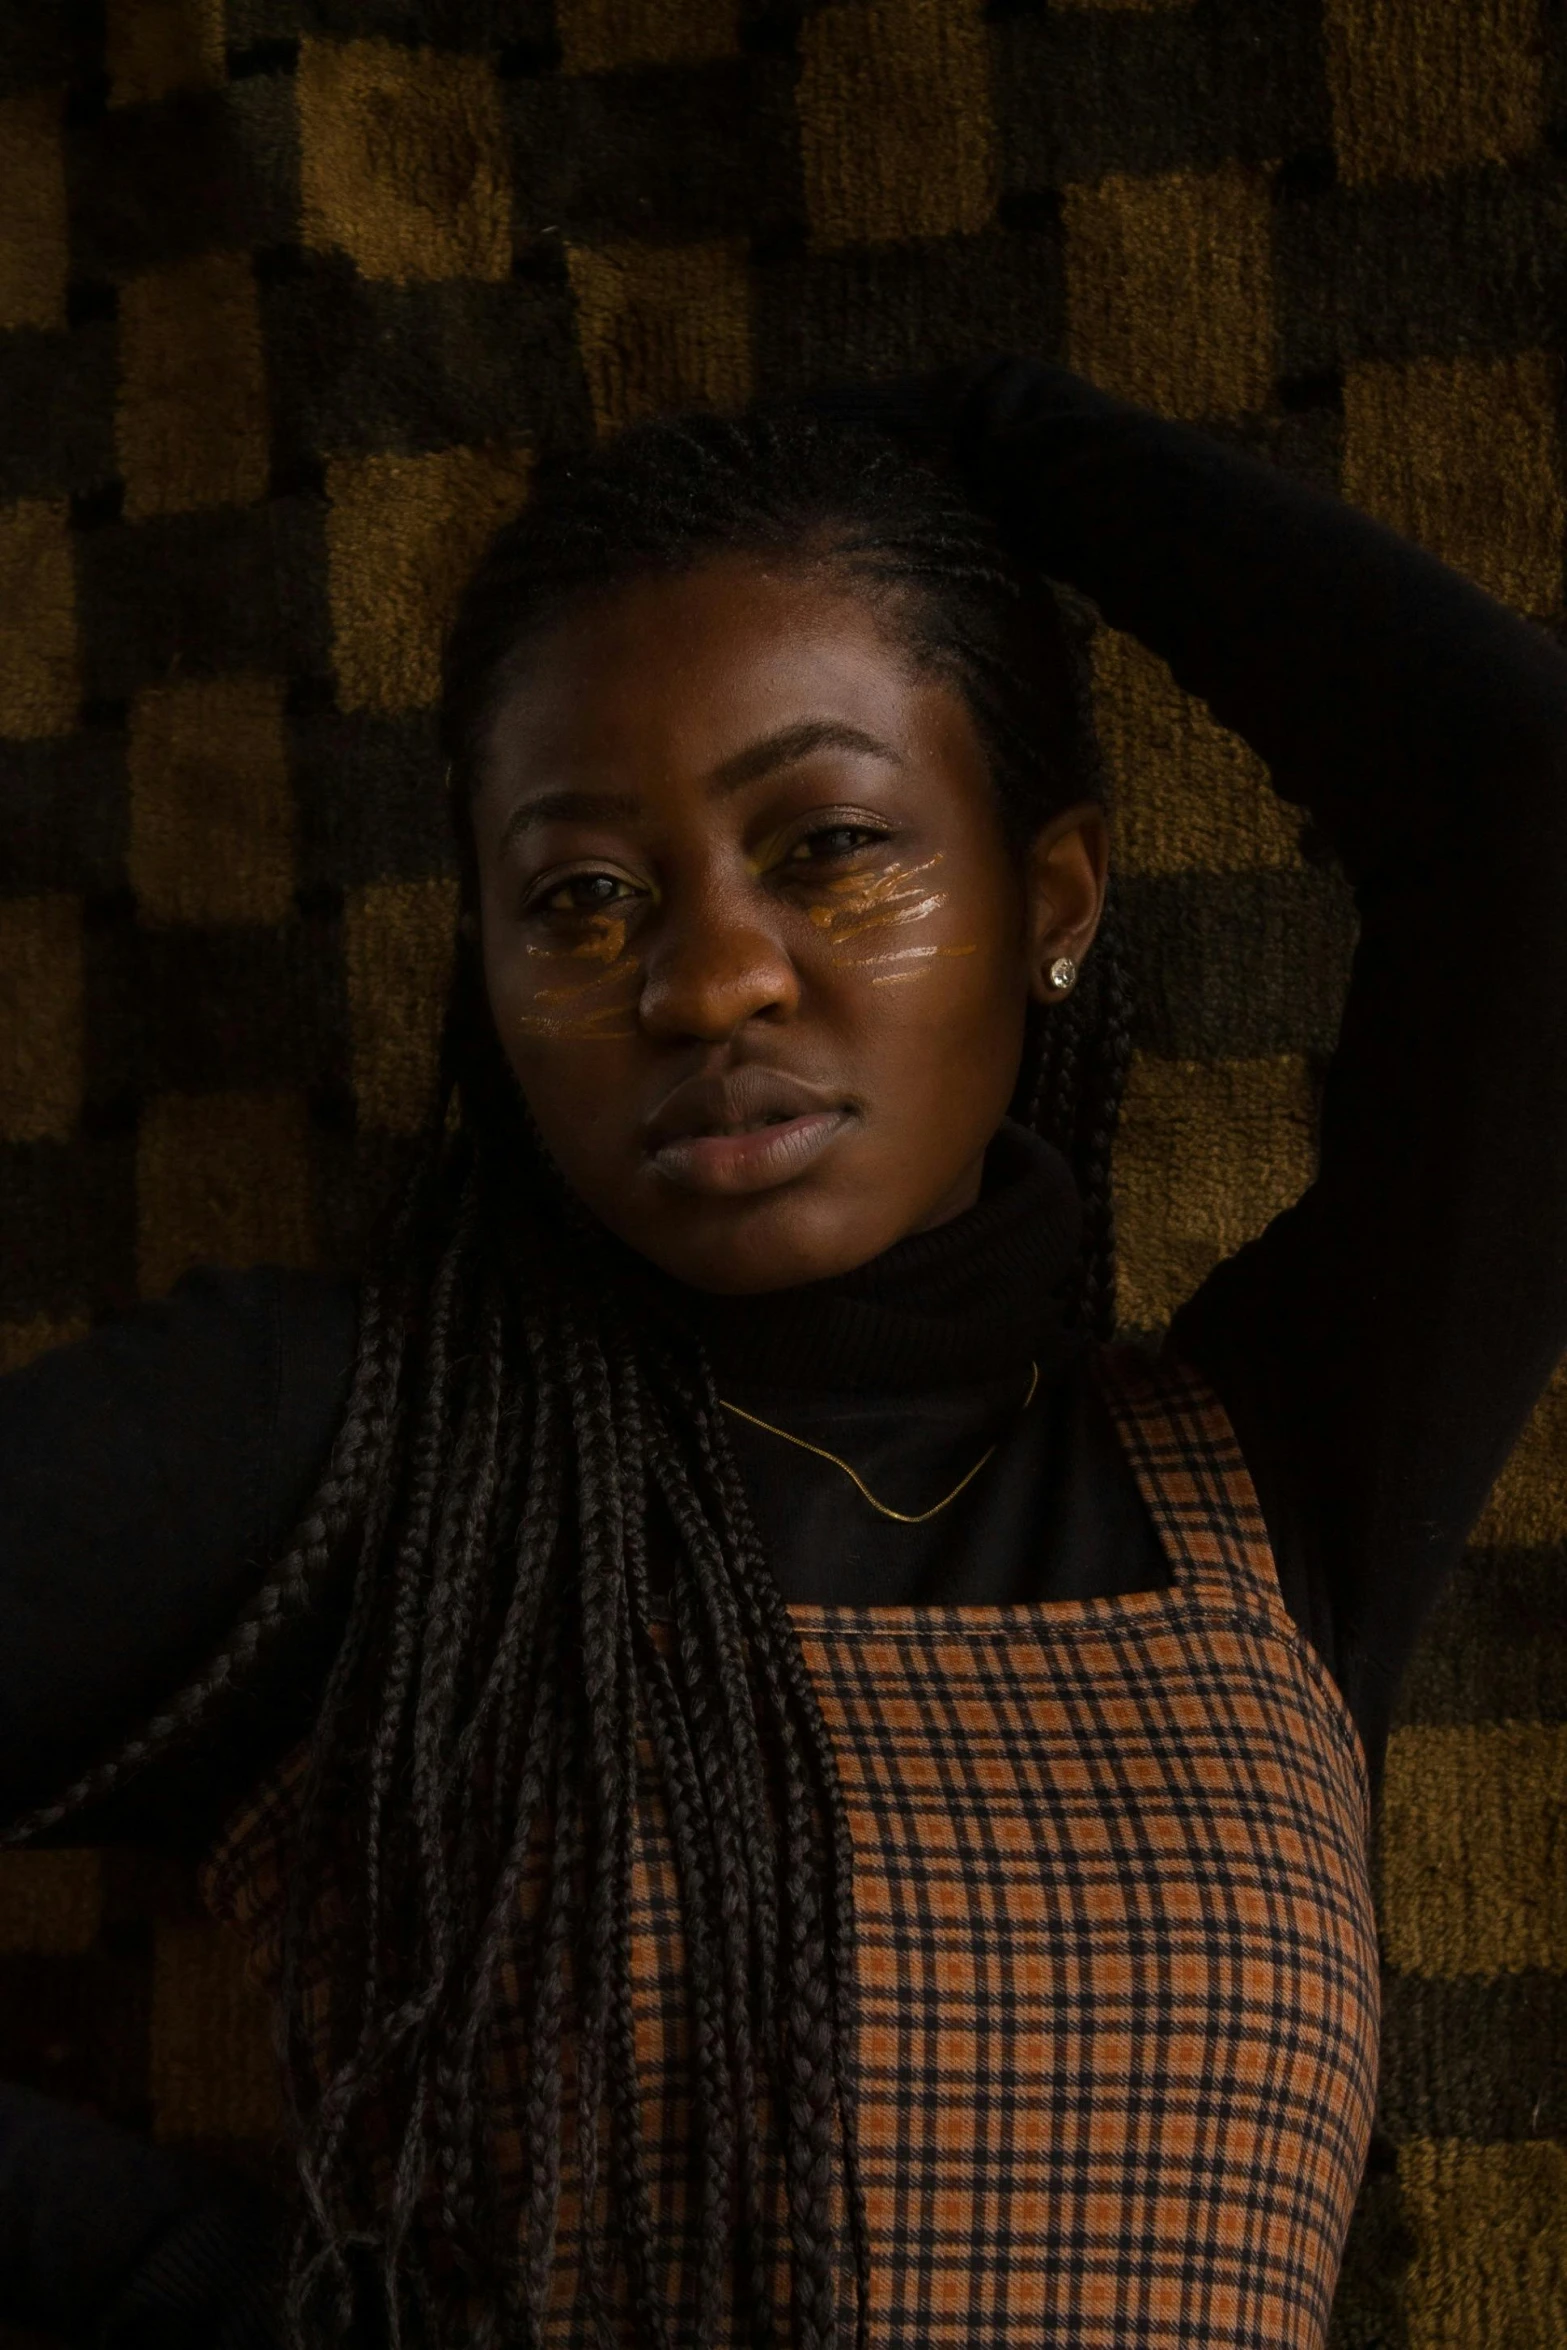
1116,2041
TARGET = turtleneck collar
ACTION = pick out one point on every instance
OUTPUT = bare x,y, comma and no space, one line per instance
964,1303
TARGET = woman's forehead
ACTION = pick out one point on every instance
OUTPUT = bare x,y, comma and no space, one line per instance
693,667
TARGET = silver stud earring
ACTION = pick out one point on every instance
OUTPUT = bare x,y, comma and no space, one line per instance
1063,973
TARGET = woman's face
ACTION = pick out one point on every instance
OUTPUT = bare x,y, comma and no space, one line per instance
755,945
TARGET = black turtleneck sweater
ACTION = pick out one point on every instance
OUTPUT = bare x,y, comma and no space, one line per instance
910,1368
1378,1349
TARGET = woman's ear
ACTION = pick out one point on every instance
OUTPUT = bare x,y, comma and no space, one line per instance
1068,865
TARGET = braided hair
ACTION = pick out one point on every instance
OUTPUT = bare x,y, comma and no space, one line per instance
519,1417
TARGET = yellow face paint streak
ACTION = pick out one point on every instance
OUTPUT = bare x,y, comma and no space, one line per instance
608,940
604,944
893,918
891,978
924,955
588,1020
889,901
898,955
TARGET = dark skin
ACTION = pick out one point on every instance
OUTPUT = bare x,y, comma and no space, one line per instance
756,945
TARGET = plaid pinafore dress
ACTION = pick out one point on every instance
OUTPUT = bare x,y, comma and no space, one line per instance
1116,1961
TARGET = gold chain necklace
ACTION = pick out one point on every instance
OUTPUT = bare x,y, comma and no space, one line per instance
902,1516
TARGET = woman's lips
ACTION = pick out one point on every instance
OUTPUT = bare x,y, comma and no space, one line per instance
769,1155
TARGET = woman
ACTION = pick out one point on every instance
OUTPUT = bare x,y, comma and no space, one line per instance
784,1791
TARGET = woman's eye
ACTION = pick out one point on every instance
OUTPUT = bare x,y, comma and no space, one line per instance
832,841
583,893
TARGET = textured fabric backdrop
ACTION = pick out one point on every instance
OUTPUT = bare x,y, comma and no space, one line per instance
292,292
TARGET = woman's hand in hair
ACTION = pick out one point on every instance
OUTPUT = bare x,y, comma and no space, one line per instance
927,414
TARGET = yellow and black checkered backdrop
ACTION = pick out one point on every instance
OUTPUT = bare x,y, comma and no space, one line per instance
292,293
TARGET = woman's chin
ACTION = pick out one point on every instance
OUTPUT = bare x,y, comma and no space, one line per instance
746,1243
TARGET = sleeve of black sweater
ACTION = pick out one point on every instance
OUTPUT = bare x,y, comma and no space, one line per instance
1380,1346
148,1476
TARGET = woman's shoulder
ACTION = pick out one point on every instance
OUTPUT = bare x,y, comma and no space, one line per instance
253,1307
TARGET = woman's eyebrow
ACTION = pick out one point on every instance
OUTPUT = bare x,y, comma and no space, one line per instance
568,807
797,742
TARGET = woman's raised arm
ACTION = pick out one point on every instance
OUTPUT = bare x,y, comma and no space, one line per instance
1381,1345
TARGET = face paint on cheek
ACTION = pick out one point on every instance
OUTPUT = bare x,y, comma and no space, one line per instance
606,944
592,1008
891,900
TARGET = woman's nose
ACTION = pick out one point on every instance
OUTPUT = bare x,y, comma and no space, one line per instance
713,967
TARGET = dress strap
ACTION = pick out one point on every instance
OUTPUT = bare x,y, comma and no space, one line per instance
1198,1490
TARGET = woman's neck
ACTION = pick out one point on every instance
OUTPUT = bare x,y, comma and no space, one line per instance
986,1291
